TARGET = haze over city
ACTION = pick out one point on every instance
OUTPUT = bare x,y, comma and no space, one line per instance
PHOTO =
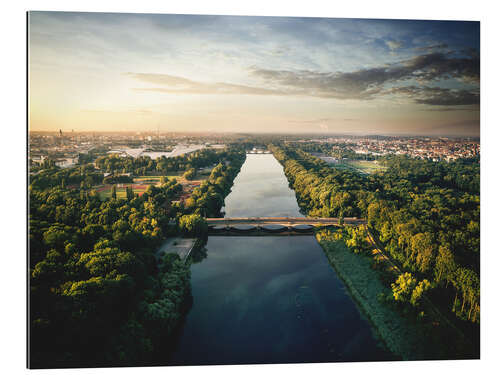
147,72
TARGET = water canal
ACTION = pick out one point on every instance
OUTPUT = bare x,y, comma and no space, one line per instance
269,299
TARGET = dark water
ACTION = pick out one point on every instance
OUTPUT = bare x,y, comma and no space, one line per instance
269,299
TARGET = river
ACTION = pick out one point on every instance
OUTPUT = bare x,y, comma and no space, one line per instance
269,299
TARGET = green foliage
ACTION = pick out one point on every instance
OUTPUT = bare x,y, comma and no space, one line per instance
193,225
190,174
117,179
426,214
163,313
403,288
92,264
356,239
109,262
51,176
143,165
407,289
419,291
129,192
208,198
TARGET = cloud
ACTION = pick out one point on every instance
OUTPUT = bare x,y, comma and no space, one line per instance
438,96
432,47
435,66
140,111
393,45
363,84
175,84
452,109
471,52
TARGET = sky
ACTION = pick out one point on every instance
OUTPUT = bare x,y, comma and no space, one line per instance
144,72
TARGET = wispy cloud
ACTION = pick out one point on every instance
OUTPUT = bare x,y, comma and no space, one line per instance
114,111
364,84
368,83
472,108
174,84
437,95
432,47
393,44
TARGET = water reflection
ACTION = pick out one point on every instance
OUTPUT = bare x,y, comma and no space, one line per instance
261,189
269,299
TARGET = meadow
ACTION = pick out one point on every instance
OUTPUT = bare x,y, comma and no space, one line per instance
359,166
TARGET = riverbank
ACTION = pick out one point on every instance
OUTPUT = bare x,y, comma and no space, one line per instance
178,245
401,336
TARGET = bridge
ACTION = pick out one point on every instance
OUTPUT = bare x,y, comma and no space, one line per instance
284,220
274,225
259,152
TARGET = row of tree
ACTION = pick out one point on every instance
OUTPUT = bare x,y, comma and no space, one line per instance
114,163
426,214
208,198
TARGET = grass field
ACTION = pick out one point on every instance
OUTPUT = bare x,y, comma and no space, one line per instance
141,183
359,166
105,191
148,179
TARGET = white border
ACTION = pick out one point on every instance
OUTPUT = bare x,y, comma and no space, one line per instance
13,148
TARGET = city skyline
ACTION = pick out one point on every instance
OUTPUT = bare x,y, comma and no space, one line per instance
175,73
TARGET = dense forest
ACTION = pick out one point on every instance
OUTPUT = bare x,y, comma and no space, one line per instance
144,164
341,150
424,213
98,296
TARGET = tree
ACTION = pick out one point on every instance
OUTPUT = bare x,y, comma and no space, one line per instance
194,225
110,261
357,240
162,165
385,232
113,192
422,250
419,291
130,193
190,174
445,265
97,295
403,287
56,236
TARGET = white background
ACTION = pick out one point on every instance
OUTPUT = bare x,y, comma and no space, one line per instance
13,163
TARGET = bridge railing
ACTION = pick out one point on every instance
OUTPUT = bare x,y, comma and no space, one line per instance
285,219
